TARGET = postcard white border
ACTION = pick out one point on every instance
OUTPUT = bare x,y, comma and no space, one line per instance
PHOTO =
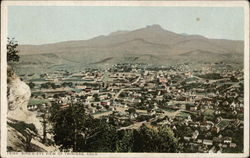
4,27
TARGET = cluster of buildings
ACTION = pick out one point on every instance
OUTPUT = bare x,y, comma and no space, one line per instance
204,106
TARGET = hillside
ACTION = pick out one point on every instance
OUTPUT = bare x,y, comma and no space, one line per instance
151,44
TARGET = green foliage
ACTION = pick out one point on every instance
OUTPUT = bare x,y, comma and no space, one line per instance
31,85
183,114
67,84
141,118
73,129
151,140
209,115
183,131
37,101
193,85
12,52
69,126
125,141
168,109
212,76
48,85
145,140
167,141
102,137
237,138
223,124
131,110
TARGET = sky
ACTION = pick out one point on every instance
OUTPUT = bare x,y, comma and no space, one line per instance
50,24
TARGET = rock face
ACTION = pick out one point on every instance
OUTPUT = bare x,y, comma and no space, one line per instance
18,94
23,126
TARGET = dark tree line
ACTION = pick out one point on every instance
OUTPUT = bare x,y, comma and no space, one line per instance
75,130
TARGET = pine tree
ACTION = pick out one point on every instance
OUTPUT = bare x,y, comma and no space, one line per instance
12,52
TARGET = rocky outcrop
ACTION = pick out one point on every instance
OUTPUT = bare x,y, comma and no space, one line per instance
18,94
24,128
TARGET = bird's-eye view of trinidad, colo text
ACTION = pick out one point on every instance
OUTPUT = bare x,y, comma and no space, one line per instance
125,79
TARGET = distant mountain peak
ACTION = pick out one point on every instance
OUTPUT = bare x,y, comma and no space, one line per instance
155,27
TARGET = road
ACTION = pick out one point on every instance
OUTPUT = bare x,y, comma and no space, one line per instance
125,89
117,95
137,80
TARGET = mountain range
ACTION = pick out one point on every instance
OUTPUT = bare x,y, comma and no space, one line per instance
151,44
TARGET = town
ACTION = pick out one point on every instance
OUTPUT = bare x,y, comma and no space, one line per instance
204,106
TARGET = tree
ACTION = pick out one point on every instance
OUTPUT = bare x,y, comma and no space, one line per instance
96,97
101,137
131,110
44,122
145,139
125,141
53,85
31,85
167,141
69,126
73,129
155,140
12,52
45,85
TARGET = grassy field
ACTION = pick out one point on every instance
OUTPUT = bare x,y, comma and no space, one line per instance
209,112
183,114
223,124
37,101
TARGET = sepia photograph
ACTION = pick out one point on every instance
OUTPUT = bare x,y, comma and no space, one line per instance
124,79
